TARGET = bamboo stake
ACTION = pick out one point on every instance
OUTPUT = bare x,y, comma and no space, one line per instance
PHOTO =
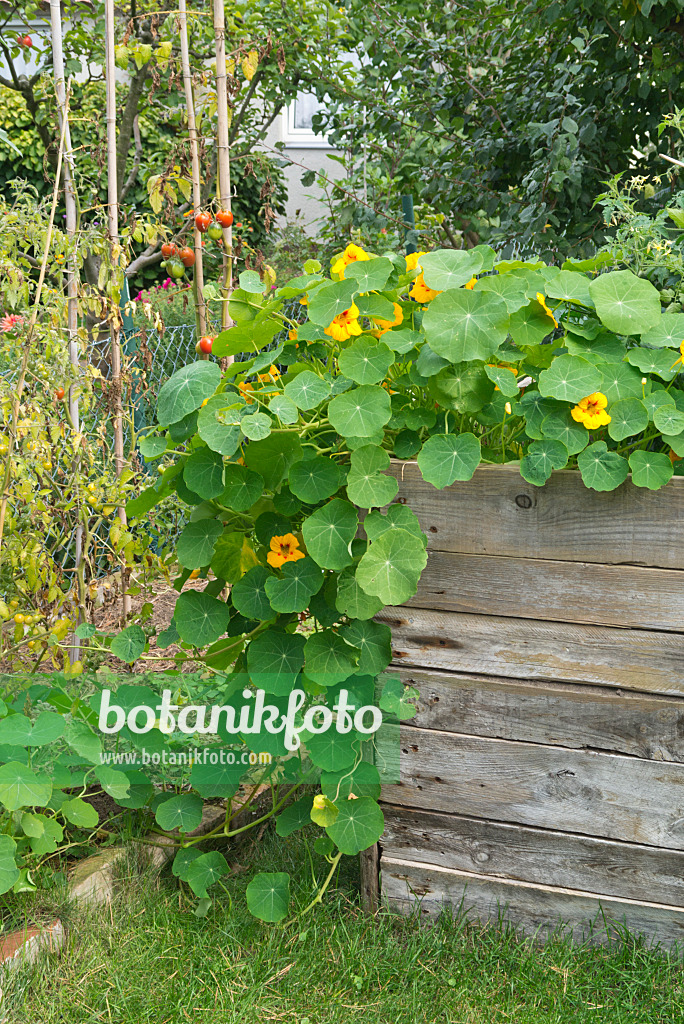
198,279
113,231
223,156
72,270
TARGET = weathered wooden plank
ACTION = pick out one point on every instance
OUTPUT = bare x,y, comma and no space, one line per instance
633,659
540,856
594,793
370,879
525,588
498,513
559,714
536,909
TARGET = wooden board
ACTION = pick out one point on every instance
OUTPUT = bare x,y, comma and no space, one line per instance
633,659
560,714
608,795
541,856
498,513
585,592
537,909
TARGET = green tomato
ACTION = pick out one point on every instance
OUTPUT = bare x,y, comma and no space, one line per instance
215,230
175,269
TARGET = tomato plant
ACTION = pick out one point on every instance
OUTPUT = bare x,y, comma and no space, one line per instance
202,221
225,218
187,256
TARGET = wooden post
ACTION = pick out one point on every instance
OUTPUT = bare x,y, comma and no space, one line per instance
72,270
113,231
370,879
223,157
200,304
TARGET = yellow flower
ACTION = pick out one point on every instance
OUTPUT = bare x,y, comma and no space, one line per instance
681,358
351,254
387,325
420,292
591,411
272,375
471,283
292,335
345,325
542,302
244,388
284,549
412,259
304,301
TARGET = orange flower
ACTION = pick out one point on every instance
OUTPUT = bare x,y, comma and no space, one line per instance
271,376
351,254
345,325
674,457
387,325
542,302
419,291
590,411
471,283
292,335
284,549
244,388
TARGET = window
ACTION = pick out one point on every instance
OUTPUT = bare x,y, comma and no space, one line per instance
297,124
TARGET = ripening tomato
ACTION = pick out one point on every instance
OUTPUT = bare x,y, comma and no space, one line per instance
59,393
25,41
205,345
187,256
225,218
197,348
202,221
215,230
168,249
175,269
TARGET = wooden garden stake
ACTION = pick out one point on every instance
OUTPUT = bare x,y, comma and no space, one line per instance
200,304
223,157
72,270
113,231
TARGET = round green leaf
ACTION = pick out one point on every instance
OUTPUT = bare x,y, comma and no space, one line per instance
256,426
366,361
361,780
450,268
569,286
115,783
204,871
669,420
505,380
407,443
284,408
183,812
657,399
21,787
249,594
570,379
273,456
329,532
667,333
15,730
627,417
233,556
9,872
129,644
650,469
298,582
185,391
446,458
359,825
195,546
328,301
218,424
464,387
352,600
397,515
47,728
314,480
329,659
531,324
242,487
80,813
307,390
402,341
200,619
268,896
465,325
374,641
541,458
535,408
656,361
560,426
152,446
602,470
625,303
620,381
367,485
333,751
370,275
203,473
295,816
391,567
361,412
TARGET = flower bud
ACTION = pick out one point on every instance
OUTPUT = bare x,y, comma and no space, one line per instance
507,407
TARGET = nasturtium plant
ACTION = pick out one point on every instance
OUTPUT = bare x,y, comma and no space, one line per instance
287,463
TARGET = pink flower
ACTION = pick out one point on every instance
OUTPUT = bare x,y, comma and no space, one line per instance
138,297
167,282
9,321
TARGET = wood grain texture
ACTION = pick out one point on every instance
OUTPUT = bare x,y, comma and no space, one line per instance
559,714
540,856
370,879
536,909
632,659
498,513
581,592
593,793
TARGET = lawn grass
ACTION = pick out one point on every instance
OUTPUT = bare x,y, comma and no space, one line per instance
149,960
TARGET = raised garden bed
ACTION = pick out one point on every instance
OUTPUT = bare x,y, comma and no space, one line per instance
544,772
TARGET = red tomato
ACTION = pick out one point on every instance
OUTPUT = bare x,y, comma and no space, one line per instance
168,249
205,345
202,221
187,256
59,394
25,41
225,218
